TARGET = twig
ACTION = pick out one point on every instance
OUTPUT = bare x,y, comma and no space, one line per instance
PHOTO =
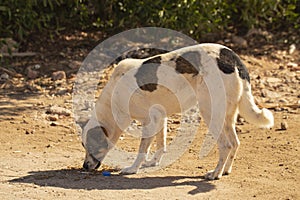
19,54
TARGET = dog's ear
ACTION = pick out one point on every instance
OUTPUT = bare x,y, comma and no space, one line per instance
96,140
104,131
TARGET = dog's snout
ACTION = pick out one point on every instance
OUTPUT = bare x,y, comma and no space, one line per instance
88,166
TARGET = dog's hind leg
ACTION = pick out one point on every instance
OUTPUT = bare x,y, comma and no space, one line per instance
235,143
222,141
228,144
161,146
232,137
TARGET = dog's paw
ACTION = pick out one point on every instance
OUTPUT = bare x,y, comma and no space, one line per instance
150,163
213,175
129,170
227,172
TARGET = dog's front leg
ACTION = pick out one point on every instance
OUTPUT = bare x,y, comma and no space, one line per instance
151,126
141,157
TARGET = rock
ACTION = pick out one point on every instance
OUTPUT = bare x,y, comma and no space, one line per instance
37,66
32,74
273,80
241,42
52,117
4,77
58,75
292,65
58,110
269,94
292,48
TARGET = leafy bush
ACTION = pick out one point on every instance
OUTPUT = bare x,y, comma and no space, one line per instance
18,18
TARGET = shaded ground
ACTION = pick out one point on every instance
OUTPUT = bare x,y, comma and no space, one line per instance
41,154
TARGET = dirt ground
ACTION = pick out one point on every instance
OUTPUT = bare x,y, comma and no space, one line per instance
41,153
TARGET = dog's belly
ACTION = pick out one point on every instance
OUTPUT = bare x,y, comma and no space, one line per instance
170,101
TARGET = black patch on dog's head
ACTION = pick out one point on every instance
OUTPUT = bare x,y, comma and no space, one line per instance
146,76
96,140
227,62
188,63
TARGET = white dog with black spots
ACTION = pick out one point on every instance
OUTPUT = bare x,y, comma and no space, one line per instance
149,90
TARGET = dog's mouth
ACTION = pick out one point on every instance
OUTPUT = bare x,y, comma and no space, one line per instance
91,165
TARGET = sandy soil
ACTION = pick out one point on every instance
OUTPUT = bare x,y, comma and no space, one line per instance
41,159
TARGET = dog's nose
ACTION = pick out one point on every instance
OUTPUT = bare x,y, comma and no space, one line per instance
86,165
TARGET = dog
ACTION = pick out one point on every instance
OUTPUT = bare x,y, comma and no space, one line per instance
151,89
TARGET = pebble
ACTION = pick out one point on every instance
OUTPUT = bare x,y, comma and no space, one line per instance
241,42
292,65
273,80
58,75
32,74
269,94
292,48
52,117
4,77
58,110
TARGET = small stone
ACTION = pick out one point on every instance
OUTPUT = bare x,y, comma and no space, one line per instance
4,77
292,65
37,66
58,75
283,125
52,117
292,48
269,94
273,80
58,110
241,42
32,74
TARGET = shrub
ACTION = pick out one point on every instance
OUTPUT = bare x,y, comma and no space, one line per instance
18,18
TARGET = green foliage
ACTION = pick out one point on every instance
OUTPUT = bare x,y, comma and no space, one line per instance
18,18
198,17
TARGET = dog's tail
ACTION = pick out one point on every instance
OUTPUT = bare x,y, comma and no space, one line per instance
249,110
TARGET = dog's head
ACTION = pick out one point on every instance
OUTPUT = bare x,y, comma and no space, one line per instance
96,143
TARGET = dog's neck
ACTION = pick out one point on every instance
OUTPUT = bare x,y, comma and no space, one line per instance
105,116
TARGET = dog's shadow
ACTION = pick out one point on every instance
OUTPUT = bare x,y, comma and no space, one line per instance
76,179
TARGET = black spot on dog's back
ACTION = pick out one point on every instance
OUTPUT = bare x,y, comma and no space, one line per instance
146,76
188,63
227,62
